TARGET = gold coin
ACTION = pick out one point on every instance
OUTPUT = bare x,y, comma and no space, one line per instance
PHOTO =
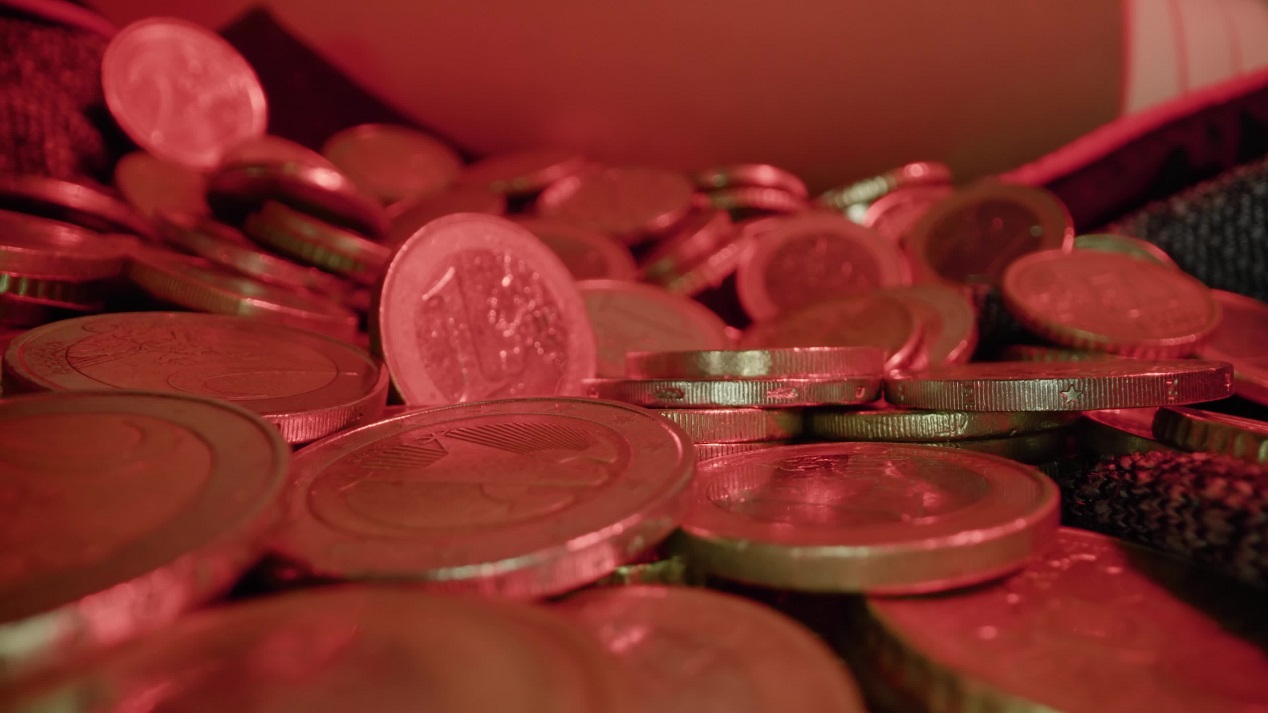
1197,430
912,426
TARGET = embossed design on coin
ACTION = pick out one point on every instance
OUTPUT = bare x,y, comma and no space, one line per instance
1242,338
628,203
629,317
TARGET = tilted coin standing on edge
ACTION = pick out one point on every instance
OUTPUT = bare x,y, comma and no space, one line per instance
151,184
517,498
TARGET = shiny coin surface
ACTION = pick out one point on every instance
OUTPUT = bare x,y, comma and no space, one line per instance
1062,386
1197,430
317,190
849,517
736,425
1125,245
795,362
152,184
35,246
760,393
629,203
1091,625
697,237
687,650
317,242
125,510
180,91
762,175
811,258
407,216
1110,302
894,215
709,451
392,162
520,497
349,648
474,307
88,206
588,254
919,173
630,317
1031,352
1242,338
907,425
306,384
522,172
948,321
862,320
971,237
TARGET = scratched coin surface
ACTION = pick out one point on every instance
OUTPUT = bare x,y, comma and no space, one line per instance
123,510
850,517
392,162
180,91
306,384
629,203
588,254
1110,302
687,650
1242,338
1094,624
474,307
632,317
868,320
518,497
348,648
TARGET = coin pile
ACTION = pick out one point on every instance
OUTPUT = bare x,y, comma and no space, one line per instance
510,413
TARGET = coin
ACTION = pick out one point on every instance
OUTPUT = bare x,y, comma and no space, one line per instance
151,184
306,384
1062,386
268,149
16,311
1240,339
753,198
392,162
1091,625
518,497
736,425
180,91
407,216
1198,430
743,656
870,189
81,296
196,284
1110,302
318,243
522,172
860,320
629,203
1115,432
948,320
849,517
81,204
974,235
1030,352
710,271
760,393
125,509
671,570
588,254
630,317
1125,245
474,307
895,214
811,258
709,451
904,425
316,190
1039,448
699,235
797,362
758,175
35,246
350,648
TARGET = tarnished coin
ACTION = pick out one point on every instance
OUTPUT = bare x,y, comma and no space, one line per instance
306,384
1062,386
474,307
849,517
736,425
180,91
152,184
588,254
392,162
971,237
867,190
709,451
522,172
88,206
1110,302
1198,430
862,320
894,215
795,362
770,392
124,510
811,258
907,425
1093,624
349,648
629,203
1242,338
407,216
699,235
1125,245
738,655
630,317
519,497
758,175
316,190
948,321
318,243
53,250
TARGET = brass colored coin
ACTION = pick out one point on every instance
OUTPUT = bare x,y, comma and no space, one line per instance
409,216
58,251
755,175
754,198
757,393
629,317
318,243
735,425
1110,302
1197,430
794,362
517,497
88,206
314,189
709,451
588,254
350,648
1094,624
124,510
1135,247
700,235
629,203
860,321
1030,352
151,185
392,162
1115,432
877,517
867,190
911,426
306,384
895,214
948,321
743,656
1062,386
522,172
1242,338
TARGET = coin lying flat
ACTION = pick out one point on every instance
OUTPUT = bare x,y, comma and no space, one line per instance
1091,625
407,216
1242,338
792,362
519,497
709,451
306,384
1062,386
909,425
314,189
82,204
125,509
1198,430
392,162
920,173
180,91
1126,245
736,425
629,317
1112,432
151,184
522,172
774,392
629,203
760,175
318,243
588,254
54,250
850,517
948,321
862,320
747,199
349,648
474,307
687,650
